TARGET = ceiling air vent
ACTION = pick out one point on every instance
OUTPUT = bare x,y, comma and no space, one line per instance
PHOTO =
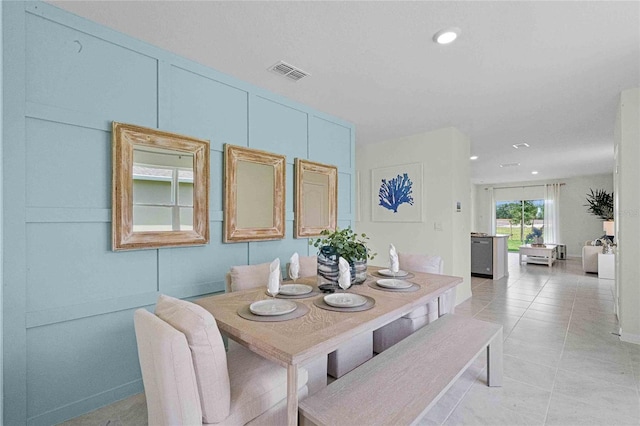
288,71
510,165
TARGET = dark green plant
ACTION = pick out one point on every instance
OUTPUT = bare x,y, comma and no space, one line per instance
346,243
600,203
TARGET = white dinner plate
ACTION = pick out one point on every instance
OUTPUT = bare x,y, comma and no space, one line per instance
272,307
391,283
295,289
388,273
345,300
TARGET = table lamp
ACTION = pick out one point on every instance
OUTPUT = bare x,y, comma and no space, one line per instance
608,228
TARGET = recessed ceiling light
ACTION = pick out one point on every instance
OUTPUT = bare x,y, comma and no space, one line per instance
473,157
534,172
520,145
447,35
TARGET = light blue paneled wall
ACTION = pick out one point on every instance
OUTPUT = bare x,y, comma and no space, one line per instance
68,299
1,227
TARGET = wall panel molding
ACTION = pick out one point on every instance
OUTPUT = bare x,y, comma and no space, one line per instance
76,215
105,307
60,275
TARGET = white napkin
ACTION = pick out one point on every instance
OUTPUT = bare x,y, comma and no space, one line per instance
344,279
274,277
294,266
394,265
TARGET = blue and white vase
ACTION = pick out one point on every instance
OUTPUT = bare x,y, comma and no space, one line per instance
328,270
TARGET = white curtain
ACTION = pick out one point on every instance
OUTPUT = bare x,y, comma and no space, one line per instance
551,213
492,211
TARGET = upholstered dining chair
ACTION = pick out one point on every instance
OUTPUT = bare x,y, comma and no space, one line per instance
189,379
308,266
339,362
392,333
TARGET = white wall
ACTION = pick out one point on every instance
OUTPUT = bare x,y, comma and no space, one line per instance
577,225
627,212
444,155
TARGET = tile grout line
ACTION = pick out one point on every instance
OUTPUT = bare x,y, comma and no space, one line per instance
555,376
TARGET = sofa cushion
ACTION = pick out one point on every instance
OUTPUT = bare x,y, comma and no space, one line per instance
207,351
590,258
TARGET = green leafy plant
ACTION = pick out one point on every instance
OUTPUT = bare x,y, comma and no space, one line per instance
345,243
600,203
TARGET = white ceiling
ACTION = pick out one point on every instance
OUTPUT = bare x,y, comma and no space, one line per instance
545,73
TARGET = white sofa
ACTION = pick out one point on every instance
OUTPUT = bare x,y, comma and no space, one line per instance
590,257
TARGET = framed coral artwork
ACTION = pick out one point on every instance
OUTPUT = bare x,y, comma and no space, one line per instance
397,193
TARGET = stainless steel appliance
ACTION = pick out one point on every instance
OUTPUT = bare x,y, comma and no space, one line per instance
482,256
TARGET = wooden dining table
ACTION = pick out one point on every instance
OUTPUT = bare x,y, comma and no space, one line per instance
294,342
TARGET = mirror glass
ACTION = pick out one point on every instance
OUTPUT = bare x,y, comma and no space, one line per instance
254,195
160,191
255,202
316,198
315,190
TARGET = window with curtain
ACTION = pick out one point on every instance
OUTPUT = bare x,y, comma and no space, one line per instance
522,220
519,212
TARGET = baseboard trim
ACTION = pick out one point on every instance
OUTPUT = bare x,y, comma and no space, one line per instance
87,405
630,338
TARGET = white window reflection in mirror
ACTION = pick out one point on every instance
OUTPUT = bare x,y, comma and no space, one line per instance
316,198
160,189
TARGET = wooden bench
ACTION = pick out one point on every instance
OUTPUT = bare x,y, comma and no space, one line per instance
401,384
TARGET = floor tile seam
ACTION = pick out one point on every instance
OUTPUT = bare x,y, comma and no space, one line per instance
602,361
555,375
635,372
581,335
583,401
477,379
519,410
531,362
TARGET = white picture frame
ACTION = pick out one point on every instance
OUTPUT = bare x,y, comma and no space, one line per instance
396,193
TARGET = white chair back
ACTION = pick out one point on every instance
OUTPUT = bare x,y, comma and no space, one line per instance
245,277
308,266
168,375
421,263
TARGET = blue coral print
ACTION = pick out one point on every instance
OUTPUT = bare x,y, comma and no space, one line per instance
396,191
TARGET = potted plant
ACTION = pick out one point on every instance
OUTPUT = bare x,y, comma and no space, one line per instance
600,203
342,243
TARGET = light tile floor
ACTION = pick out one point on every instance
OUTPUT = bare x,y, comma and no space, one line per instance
562,363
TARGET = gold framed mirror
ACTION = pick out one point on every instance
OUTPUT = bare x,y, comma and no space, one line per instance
160,195
316,198
254,195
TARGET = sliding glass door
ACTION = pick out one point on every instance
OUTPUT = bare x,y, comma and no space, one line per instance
522,220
